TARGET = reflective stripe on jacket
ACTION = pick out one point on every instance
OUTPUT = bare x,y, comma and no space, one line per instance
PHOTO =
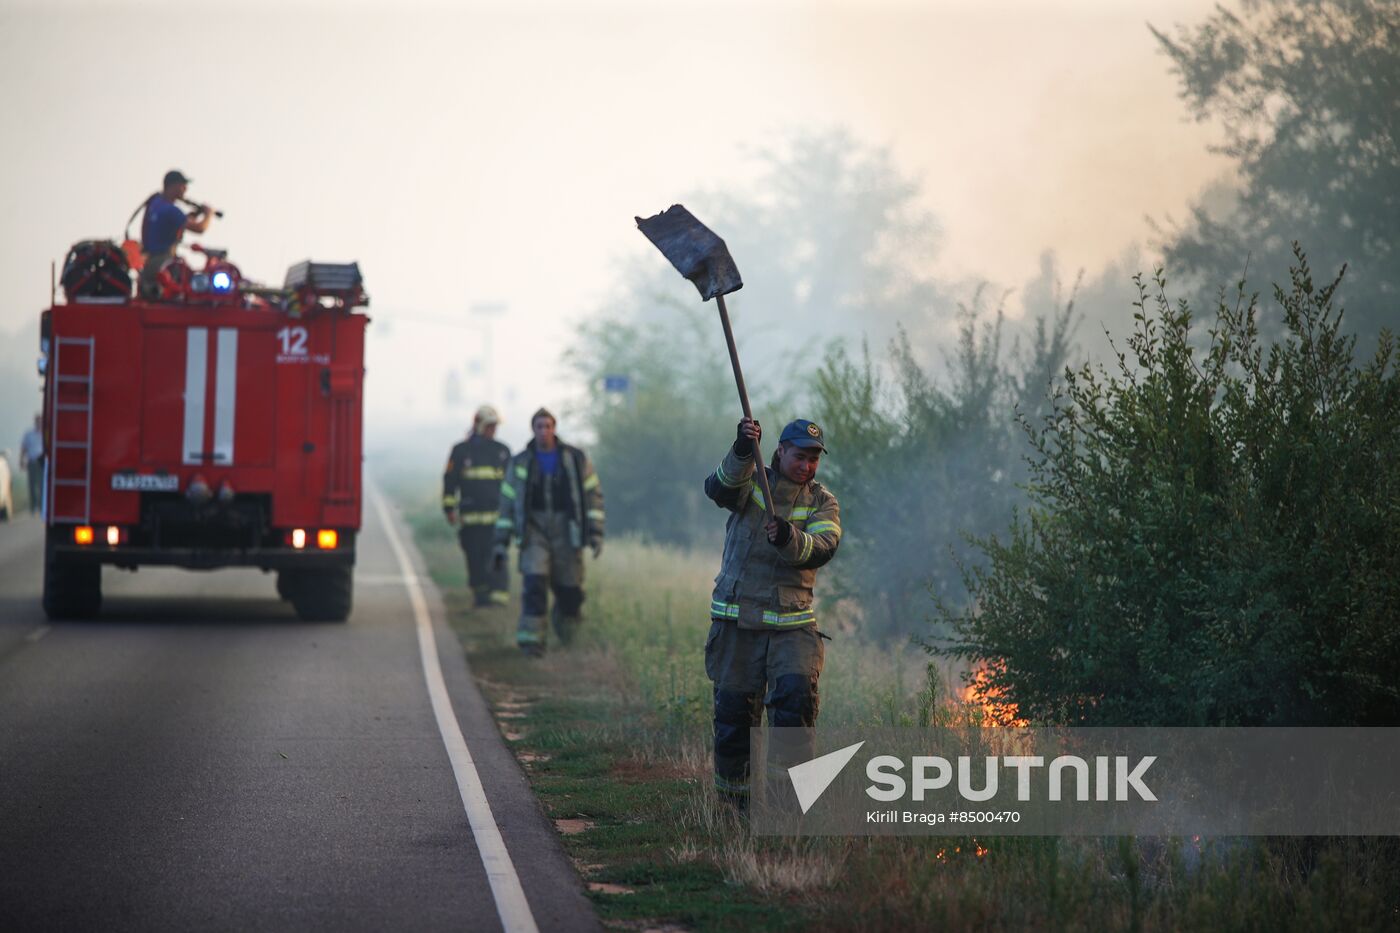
471,481
588,517
761,586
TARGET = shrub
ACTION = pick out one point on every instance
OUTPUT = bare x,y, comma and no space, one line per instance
1214,531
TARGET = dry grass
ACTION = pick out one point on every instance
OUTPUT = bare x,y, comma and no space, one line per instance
793,866
643,646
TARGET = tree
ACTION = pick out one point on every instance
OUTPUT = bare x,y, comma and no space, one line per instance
830,243
923,464
656,443
1308,94
1214,534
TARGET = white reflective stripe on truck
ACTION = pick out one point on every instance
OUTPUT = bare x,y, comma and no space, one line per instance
225,394
196,365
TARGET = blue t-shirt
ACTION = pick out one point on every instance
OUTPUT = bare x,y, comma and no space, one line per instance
161,226
549,462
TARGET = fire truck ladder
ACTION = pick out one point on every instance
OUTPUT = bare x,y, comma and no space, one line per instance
60,443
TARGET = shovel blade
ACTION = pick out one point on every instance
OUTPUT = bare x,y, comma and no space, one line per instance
694,250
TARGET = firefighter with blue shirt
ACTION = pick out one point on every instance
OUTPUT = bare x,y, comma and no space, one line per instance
552,501
162,227
471,497
763,649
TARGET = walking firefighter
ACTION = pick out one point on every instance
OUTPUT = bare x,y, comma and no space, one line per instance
552,501
471,495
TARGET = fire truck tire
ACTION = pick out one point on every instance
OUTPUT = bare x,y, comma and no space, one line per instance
323,595
72,591
285,581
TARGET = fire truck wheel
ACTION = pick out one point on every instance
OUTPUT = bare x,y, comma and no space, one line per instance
323,595
286,579
72,591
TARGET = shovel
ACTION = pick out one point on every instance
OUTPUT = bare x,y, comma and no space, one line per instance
703,258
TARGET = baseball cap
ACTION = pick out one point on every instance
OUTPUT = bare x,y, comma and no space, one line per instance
804,434
176,177
487,415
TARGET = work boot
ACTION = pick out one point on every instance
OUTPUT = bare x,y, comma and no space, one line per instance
532,631
565,627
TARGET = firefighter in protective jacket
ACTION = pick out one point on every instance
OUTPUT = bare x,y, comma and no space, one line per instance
471,493
763,648
552,501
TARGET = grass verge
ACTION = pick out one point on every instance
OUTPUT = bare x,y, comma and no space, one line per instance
614,734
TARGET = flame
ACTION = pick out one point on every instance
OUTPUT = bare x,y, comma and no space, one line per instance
982,691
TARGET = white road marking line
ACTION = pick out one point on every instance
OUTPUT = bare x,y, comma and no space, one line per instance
383,579
37,634
511,905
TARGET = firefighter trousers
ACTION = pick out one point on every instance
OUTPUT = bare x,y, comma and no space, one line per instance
488,585
550,560
756,668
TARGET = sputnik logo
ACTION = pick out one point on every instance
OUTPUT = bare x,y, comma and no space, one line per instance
811,778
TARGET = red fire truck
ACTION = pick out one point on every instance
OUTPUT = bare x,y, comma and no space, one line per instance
215,424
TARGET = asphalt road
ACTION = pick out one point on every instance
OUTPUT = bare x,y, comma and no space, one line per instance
200,759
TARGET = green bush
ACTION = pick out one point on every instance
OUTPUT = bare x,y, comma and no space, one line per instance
918,466
1214,535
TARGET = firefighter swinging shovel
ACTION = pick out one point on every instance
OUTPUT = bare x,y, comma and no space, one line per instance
701,256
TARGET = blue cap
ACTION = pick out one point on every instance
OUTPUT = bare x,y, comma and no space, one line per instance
803,434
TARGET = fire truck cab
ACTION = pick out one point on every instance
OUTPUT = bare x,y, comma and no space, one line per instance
215,425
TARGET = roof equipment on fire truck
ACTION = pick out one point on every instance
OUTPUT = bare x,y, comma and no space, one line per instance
96,269
326,285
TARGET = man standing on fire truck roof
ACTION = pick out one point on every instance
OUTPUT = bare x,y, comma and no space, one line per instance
163,226
552,500
471,496
764,631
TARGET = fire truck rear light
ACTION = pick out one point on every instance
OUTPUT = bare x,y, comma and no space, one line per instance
83,534
326,539
298,538
114,535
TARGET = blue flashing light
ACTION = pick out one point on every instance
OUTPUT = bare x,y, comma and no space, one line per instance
222,282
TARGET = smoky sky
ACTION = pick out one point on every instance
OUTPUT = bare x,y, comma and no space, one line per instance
494,154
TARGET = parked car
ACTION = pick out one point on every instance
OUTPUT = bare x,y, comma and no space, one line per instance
7,499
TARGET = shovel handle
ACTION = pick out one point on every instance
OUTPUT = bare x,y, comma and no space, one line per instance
744,402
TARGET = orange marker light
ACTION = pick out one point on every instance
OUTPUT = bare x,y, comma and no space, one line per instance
326,539
114,535
82,534
299,538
